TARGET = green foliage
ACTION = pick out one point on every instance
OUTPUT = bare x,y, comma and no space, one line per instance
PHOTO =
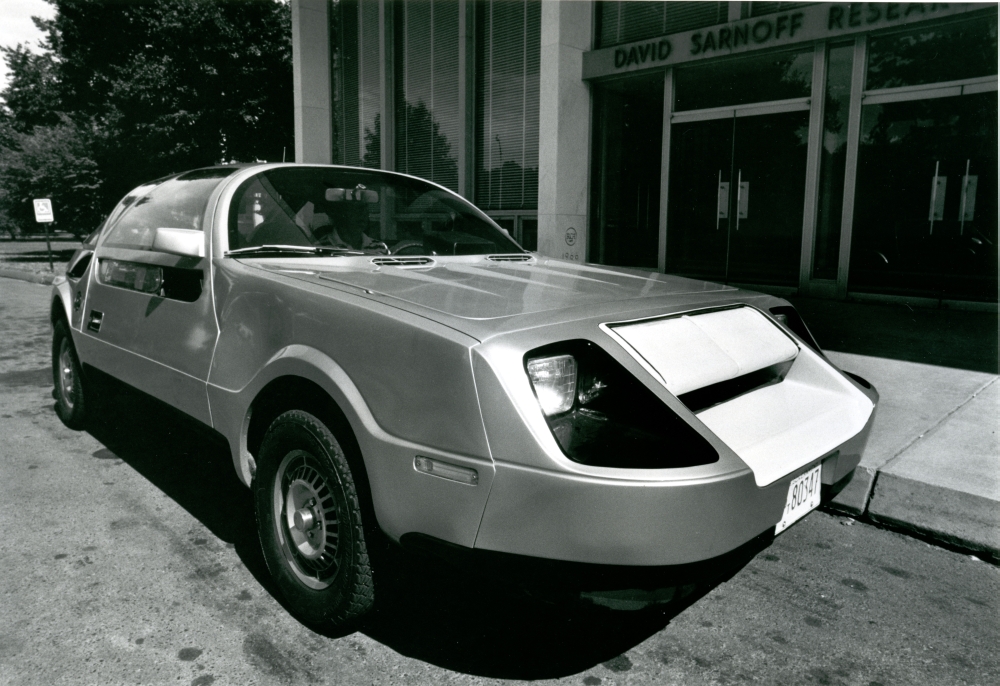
33,92
50,162
147,89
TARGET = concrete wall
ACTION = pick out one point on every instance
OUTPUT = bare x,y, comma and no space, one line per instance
312,82
564,130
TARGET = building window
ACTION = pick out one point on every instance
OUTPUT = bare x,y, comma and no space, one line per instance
426,98
759,9
508,47
625,22
935,53
358,55
625,187
748,79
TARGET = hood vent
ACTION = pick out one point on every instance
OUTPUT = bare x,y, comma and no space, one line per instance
402,261
510,258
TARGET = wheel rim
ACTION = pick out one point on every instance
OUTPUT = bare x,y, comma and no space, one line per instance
67,379
305,515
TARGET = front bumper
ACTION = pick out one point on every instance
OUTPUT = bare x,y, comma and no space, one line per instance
587,519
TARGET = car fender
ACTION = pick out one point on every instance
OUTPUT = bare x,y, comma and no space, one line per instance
62,297
405,500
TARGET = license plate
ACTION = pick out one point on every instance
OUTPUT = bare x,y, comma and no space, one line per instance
803,498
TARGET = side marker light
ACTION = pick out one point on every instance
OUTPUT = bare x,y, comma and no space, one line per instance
462,475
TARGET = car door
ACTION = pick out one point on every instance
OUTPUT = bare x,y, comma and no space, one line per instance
148,318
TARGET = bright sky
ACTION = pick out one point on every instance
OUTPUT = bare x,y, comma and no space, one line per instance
16,26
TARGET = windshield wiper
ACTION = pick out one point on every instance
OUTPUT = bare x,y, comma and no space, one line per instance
291,250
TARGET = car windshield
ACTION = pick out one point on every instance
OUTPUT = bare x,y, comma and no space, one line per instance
358,210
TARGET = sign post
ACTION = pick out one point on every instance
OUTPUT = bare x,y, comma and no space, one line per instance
43,215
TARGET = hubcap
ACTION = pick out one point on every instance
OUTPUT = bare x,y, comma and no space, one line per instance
305,511
66,380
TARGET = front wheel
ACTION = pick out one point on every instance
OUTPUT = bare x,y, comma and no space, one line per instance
309,522
67,377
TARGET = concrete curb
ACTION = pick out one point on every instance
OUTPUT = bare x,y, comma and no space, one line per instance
948,518
23,275
953,518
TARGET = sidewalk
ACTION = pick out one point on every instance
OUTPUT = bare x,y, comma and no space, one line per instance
28,260
932,464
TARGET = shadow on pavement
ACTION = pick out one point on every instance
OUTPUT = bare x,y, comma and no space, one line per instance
433,612
945,338
427,609
188,462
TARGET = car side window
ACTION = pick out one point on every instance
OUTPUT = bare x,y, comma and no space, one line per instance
178,203
260,215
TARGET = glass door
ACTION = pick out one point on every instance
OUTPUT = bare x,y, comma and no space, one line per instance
701,171
737,187
925,217
769,163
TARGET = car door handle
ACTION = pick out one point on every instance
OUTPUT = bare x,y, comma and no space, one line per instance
94,321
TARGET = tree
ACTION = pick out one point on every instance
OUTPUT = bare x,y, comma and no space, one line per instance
184,83
32,92
51,162
151,88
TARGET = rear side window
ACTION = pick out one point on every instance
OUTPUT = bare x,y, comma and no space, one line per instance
178,203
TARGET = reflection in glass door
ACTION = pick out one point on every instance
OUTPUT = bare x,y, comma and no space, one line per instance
736,198
522,228
925,217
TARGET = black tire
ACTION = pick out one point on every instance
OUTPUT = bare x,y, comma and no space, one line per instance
67,376
310,524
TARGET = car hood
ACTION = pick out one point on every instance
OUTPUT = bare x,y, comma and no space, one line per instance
488,293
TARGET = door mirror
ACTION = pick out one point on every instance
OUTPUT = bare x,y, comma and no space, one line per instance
186,242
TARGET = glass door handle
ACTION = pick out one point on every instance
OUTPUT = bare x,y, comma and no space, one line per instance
967,209
742,198
939,185
722,203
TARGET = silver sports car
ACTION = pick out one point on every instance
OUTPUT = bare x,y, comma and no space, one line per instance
382,358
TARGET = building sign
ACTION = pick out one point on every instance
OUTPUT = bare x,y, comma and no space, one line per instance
818,22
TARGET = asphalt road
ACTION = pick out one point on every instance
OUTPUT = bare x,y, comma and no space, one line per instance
128,556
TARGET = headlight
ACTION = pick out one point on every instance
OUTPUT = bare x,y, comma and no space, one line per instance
554,381
601,415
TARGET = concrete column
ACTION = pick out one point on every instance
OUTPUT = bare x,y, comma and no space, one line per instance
564,131
312,83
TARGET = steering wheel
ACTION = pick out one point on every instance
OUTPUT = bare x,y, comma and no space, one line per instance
404,246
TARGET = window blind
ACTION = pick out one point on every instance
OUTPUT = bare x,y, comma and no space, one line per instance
508,48
625,22
759,9
426,83
360,72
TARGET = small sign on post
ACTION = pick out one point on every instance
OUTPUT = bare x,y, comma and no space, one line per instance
43,215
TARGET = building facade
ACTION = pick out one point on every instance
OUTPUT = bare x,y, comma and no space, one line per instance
829,149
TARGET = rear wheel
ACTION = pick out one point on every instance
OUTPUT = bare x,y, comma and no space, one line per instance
67,376
309,522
